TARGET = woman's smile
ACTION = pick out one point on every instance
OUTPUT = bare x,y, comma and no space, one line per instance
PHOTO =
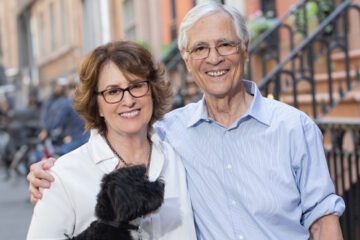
130,114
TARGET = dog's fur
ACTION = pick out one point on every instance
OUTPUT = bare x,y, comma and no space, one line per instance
125,195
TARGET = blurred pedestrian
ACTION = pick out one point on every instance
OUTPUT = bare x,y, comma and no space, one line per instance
62,128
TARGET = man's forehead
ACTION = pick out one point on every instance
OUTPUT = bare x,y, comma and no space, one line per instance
212,28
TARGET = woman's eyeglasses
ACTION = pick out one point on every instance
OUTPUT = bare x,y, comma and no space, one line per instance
116,94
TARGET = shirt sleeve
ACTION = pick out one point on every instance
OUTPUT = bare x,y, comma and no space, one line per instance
316,188
53,216
159,129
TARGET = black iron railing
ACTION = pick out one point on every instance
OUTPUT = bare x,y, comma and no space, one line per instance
173,57
299,65
295,25
342,148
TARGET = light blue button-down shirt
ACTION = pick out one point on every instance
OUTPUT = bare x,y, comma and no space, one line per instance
264,177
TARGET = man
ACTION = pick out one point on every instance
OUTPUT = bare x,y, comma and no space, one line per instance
61,122
255,167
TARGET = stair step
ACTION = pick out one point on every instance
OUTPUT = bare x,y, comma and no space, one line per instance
339,63
305,101
321,80
349,106
339,56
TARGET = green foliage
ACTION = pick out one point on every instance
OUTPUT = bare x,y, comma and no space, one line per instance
315,12
165,49
143,44
259,23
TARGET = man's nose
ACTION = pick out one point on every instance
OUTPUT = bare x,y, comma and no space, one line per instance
214,56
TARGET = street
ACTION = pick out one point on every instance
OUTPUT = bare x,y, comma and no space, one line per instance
15,208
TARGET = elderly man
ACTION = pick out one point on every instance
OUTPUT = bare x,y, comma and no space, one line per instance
255,167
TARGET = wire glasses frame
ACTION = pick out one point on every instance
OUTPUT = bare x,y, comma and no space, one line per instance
116,94
223,49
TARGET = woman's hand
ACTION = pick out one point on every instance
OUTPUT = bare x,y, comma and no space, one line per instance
38,177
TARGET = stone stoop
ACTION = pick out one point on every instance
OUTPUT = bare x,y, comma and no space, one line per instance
349,106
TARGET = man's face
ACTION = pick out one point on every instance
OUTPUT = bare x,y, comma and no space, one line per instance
218,76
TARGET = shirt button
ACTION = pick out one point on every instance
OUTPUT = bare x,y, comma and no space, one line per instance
233,202
229,166
241,237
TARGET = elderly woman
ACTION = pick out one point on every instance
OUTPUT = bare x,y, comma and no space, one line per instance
121,93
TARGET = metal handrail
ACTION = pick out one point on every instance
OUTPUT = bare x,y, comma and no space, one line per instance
339,10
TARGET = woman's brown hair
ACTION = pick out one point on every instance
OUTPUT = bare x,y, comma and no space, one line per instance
130,58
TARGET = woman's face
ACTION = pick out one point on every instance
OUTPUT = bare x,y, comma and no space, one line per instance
130,116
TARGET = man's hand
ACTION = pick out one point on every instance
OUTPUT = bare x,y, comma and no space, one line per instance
326,228
38,177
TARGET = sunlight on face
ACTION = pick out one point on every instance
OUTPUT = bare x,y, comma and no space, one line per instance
216,75
131,115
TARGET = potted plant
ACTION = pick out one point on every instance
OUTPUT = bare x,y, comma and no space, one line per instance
315,12
259,23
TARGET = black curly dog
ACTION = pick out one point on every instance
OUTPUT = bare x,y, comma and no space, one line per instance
125,195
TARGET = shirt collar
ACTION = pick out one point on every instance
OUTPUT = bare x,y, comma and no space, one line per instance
257,108
104,156
200,113
100,152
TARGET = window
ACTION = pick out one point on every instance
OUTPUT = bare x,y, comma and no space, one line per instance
63,23
129,20
219,1
52,17
42,33
268,8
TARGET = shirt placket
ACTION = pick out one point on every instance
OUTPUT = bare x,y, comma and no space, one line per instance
229,177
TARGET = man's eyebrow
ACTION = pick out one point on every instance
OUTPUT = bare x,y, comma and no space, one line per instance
200,43
221,40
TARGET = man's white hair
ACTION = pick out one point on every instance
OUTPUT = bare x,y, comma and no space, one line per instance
206,9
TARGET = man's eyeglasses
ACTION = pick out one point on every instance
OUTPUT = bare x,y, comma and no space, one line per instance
116,94
223,49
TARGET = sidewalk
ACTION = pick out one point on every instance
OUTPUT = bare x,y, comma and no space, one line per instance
15,208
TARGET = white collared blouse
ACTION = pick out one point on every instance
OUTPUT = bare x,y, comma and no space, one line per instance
68,206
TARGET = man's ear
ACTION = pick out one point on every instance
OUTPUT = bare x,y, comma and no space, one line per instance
245,51
185,57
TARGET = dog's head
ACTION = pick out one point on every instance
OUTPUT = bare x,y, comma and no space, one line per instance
127,194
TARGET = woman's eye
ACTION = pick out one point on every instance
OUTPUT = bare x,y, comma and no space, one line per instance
136,85
114,91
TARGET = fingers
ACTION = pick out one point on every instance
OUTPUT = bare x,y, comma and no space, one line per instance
39,171
47,163
38,177
35,194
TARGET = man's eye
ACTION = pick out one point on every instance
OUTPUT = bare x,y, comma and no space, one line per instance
225,44
199,49
115,91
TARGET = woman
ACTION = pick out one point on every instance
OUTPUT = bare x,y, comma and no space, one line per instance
121,93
